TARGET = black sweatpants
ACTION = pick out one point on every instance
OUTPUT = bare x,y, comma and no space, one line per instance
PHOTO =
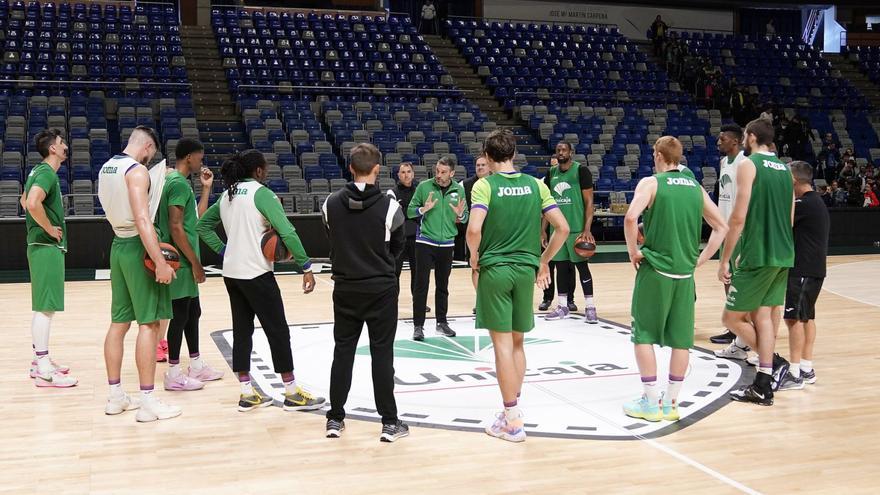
187,311
550,291
258,297
408,254
565,276
351,310
440,260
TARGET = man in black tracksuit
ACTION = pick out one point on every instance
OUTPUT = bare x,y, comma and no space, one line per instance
403,193
367,234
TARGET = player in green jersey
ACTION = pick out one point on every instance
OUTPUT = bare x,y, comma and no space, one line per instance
504,239
762,219
674,206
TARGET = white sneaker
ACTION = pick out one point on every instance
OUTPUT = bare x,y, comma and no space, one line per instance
54,379
752,360
120,404
154,409
733,352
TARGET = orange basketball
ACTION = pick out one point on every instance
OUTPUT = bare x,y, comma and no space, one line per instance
273,247
169,252
584,249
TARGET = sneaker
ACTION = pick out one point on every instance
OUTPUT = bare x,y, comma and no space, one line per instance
206,374
302,401
393,432
724,338
558,313
474,311
444,329
733,351
780,369
809,376
54,379
162,351
641,409
182,383
545,305
335,428
752,360
60,368
590,315
120,404
154,409
751,393
670,410
419,334
790,382
505,429
250,402
572,307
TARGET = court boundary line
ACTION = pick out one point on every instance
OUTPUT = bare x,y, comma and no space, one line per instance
856,299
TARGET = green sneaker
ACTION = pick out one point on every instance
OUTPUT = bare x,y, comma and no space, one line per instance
250,402
641,409
302,401
670,410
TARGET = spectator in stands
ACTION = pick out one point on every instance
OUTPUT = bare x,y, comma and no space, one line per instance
855,197
871,200
770,29
429,18
799,134
838,194
738,105
659,30
828,158
827,197
848,171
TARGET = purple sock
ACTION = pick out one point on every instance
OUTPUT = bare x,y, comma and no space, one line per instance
113,382
244,376
42,353
194,355
646,379
287,377
508,405
673,378
173,361
146,388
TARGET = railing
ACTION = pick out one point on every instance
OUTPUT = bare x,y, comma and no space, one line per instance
533,21
359,90
569,97
299,10
701,30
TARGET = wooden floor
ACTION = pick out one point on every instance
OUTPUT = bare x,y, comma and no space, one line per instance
820,440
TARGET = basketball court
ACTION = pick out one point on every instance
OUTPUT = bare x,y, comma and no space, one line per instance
814,440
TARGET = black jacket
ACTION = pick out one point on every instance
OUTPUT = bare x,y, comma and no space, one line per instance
404,195
366,235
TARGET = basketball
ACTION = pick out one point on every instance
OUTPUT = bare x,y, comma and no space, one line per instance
584,249
170,254
273,247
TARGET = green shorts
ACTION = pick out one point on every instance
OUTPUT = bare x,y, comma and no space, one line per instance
184,285
504,298
753,288
663,309
46,264
136,295
566,252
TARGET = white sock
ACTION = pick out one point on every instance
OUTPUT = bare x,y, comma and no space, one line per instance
562,300
290,387
795,370
44,364
116,390
768,371
512,413
651,391
196,363
174,370
40,330
740,343
673,390
590,302
146,395
247,388
806,366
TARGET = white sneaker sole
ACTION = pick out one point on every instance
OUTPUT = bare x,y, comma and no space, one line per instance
392,438
312,407
735,357
113,411
506,436
145,417
335,433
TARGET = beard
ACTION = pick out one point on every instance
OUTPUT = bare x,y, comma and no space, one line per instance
442,183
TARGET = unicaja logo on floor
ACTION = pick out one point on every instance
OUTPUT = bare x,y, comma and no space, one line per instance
577,378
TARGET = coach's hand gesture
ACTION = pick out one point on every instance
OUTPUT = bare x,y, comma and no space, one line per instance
308,282
429,203
459,208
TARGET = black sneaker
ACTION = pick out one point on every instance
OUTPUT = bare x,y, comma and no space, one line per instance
474,311
392,432
780,369
545,305
809,376
572,307
759,392
419,334
445,330
335,428
724,338
427,309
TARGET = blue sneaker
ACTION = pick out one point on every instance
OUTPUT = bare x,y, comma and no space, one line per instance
641,409
670,410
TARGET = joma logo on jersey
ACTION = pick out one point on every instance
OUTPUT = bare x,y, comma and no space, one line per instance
775,165
514,191
108,170
239,192
679,181
561,187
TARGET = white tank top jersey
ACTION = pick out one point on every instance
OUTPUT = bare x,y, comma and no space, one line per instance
244,226
113,193
727,184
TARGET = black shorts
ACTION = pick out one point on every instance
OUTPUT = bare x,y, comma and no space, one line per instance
800,298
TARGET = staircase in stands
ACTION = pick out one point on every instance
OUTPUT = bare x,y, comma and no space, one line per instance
850,70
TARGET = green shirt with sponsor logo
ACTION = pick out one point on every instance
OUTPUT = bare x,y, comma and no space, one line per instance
44,176
673,223
566,188
514,204
767,238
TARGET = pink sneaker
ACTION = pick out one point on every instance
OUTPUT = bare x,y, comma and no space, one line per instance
162,351
206,374
60,368
182,383
55,380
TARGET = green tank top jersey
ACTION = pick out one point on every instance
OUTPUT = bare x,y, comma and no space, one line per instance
514,204
566,190
673,223
767,238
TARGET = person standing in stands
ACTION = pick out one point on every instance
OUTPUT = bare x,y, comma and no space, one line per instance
248,209
429,16
439,205
367,234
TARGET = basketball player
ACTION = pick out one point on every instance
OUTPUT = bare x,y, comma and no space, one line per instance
248,209
123,189
46,246
674,207
439,205
367,233
572,187
811,228
503,236
550,292
176,220
761,220
729,142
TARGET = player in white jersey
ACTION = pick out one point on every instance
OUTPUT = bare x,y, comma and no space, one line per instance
124,189
729,145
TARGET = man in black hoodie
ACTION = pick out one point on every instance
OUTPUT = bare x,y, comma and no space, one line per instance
367,234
